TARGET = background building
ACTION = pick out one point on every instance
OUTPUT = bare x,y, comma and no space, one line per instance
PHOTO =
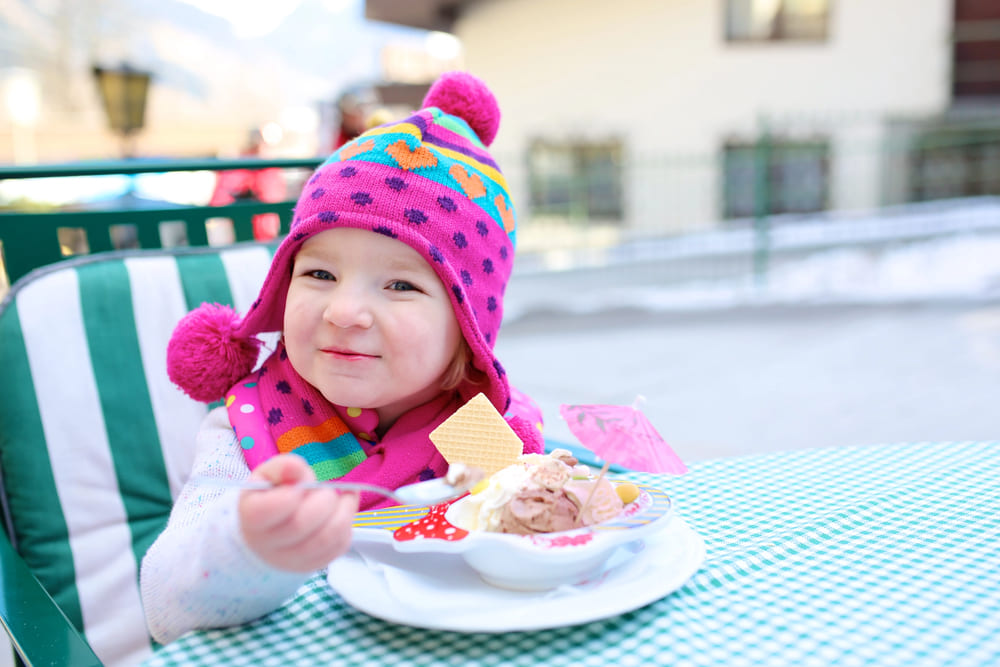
650,117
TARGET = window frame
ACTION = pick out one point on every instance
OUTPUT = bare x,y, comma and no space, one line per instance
781,154
734,35
587,193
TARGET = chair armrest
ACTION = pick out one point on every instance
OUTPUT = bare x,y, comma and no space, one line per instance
39,632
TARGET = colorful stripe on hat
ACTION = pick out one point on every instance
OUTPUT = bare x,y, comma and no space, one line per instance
443,149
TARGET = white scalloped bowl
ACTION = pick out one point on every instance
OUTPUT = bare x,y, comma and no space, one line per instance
518,562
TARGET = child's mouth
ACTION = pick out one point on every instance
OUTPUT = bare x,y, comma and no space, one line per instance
347,354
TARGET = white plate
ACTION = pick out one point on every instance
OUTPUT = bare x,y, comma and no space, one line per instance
441,592
519,562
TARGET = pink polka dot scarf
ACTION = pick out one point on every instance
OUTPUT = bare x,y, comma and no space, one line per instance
273,410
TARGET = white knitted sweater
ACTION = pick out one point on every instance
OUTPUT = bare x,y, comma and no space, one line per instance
200,573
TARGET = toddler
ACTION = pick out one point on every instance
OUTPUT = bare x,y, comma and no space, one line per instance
388,293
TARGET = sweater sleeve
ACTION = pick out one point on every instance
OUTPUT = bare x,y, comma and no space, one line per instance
200,573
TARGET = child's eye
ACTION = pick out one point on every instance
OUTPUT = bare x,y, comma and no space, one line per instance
401,286
320,274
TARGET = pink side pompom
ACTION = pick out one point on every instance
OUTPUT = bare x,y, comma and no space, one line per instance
529,434
204,358
467,97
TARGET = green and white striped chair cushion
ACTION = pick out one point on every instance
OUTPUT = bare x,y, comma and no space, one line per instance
95,441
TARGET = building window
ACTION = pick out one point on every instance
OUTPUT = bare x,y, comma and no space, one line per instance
795,180
775,20
576,180
955,163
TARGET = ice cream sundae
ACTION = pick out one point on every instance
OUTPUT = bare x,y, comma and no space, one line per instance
522,494
540,494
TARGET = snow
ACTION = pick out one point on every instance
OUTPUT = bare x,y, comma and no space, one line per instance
877,329
938,251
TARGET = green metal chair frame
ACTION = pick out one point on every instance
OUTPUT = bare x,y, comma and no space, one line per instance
39,631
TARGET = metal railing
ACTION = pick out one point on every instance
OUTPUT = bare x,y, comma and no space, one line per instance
781,189
31,237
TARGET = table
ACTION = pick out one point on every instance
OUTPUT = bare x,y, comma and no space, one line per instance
869,555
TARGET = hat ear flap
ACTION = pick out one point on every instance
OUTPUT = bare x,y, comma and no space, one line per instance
205,357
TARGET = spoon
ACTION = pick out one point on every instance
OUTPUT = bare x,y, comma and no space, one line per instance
430,492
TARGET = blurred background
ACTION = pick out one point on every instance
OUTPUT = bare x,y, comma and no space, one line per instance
777,220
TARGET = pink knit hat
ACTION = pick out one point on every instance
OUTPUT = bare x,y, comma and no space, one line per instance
427,181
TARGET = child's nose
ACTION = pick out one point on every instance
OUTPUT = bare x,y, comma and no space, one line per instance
347,308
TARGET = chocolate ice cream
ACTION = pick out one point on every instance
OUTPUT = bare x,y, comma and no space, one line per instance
539,510
540,494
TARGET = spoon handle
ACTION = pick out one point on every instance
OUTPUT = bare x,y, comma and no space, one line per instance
263,485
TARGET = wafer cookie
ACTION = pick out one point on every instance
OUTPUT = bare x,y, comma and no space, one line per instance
477,435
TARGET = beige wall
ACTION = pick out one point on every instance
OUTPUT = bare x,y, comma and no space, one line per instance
660,75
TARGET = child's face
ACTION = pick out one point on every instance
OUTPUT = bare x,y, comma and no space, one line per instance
368,322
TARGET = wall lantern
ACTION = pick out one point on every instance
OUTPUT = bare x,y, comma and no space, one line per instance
123,91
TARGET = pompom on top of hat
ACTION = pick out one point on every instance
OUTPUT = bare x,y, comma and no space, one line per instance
205,355
463,95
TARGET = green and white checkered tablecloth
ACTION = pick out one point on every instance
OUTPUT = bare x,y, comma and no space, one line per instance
880,555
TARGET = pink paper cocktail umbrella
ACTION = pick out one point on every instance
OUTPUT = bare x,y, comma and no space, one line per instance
622,434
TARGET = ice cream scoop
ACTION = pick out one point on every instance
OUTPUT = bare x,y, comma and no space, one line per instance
539,510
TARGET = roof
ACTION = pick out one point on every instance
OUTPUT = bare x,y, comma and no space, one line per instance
427,14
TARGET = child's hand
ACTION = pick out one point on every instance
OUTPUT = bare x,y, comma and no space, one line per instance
291,528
